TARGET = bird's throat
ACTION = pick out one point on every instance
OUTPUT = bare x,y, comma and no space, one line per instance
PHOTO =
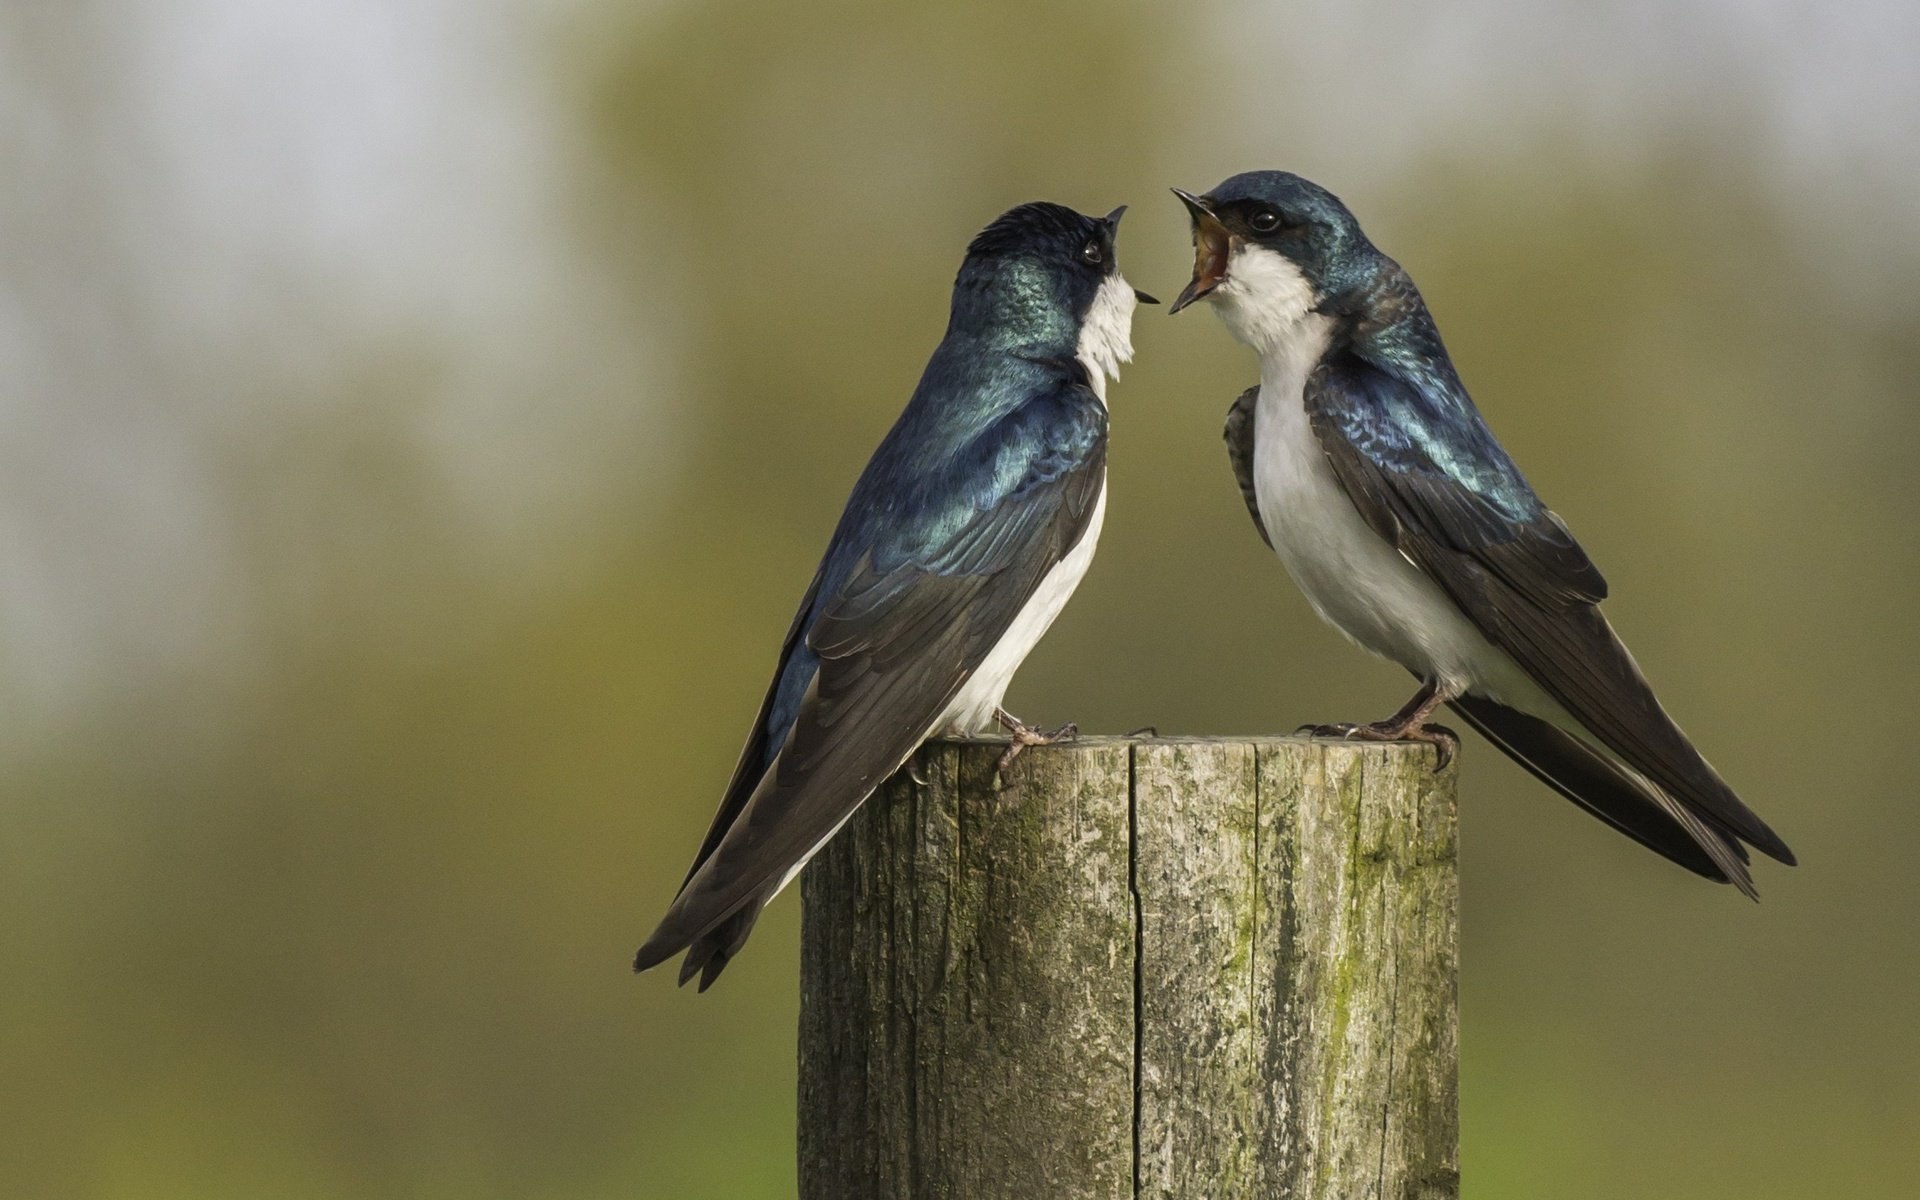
1265,300
1106,334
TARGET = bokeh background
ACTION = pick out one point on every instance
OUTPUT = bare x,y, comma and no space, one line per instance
418,421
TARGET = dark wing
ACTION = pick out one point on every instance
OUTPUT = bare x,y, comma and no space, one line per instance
1239,438
922,607
1424,470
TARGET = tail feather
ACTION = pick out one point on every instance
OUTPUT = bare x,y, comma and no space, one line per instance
713,950
708,953
1623,799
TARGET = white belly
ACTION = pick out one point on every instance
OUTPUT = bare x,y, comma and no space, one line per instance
972,709
1355,579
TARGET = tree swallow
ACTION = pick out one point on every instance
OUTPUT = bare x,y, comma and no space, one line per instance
1371,474
970,527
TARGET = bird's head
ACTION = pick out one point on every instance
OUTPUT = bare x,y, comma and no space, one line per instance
1269,248
1045,276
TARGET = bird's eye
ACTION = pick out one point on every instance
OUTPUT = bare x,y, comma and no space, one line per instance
1264,221
1092,252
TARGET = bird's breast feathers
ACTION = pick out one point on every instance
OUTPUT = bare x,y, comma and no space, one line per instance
1357,581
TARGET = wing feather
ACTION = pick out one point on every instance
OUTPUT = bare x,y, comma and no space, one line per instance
1426,473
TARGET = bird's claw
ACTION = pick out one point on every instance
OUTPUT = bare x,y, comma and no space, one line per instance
1445,742
1338,729
1024,735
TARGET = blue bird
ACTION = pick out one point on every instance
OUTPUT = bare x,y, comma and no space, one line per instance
963,539
1371,474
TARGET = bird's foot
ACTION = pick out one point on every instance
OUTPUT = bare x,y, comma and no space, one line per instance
1025,735
1445,742
913,770
1407,725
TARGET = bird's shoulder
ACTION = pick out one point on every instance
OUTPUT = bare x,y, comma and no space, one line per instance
1425,469
986,458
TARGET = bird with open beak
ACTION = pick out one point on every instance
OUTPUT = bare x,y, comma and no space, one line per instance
1368,470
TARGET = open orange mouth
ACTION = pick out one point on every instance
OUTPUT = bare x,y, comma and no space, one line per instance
1212,245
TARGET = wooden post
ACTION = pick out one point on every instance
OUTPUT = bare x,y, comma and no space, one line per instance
1185,968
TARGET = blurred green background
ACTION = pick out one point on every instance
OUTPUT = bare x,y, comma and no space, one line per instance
417,423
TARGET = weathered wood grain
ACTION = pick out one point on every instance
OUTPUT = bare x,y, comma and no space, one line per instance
1182,968
967,984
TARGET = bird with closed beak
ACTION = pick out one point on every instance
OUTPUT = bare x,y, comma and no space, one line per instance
1371,474
969,529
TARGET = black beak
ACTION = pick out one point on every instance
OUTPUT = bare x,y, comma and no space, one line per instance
1212,246
1143,298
